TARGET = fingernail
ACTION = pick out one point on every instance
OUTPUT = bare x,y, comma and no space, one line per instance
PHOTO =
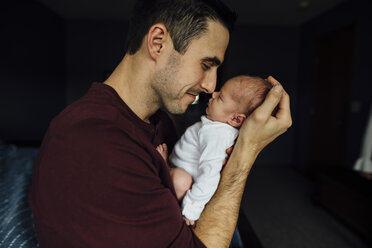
278,88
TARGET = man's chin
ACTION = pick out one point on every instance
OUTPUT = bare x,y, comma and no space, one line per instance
177,111
181,108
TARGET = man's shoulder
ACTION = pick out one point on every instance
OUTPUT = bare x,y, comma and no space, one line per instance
98,103
84,110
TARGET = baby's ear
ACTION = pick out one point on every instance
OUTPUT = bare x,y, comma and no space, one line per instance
236,120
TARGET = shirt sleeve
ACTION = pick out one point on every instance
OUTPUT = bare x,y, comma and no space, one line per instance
213,145
107,192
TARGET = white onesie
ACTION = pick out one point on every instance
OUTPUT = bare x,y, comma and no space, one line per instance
201,151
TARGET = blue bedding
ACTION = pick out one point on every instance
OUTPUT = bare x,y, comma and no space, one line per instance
16,224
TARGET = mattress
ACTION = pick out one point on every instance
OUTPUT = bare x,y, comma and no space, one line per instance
16,223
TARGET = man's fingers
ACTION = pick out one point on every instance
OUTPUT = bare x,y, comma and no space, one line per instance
224,162
272,81
284,111
271,101
284,106
229,150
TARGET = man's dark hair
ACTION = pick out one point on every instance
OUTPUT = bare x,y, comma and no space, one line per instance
184,20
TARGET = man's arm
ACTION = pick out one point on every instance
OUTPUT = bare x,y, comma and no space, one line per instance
218,220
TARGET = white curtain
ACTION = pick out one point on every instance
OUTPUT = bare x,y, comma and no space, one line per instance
364,163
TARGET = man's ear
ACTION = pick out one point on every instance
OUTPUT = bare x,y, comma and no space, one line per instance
156,39
236,120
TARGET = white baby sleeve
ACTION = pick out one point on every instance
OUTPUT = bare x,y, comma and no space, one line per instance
213,145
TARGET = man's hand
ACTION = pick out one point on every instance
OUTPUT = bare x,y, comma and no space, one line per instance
261,127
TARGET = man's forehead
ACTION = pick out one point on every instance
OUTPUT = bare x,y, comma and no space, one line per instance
212,44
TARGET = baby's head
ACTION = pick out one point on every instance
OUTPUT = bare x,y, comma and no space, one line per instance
237,99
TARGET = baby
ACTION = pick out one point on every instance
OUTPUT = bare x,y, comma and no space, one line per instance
199,154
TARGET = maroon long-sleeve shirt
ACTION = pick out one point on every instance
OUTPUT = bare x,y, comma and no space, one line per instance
99,182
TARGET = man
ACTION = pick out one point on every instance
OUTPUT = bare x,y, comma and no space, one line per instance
98,179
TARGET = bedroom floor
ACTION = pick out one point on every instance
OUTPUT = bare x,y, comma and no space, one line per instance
277,203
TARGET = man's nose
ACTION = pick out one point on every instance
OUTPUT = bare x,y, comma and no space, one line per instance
208,84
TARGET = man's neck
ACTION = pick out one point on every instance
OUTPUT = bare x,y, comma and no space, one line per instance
131,80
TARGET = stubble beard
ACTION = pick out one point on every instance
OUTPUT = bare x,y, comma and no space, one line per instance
164,84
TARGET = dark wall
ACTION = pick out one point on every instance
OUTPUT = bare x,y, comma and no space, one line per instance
264,51
32,64
93,50
350,13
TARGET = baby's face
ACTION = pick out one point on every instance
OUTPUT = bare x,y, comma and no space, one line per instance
221,107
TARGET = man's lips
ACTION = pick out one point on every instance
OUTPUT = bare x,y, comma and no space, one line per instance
193,96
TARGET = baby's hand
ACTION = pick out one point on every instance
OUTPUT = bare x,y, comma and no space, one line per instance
163,150
189,222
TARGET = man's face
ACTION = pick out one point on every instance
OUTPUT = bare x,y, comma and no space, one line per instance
221,107
184,76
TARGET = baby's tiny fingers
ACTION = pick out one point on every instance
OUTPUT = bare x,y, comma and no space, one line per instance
165,147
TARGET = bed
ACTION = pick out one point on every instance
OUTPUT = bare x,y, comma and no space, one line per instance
16,223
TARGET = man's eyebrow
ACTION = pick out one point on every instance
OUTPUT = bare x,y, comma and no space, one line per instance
213,60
